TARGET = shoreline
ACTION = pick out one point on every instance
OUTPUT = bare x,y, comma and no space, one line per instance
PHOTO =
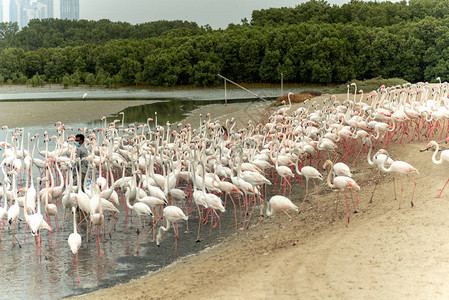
380,253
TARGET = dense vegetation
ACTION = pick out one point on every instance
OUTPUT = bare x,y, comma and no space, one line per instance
315,42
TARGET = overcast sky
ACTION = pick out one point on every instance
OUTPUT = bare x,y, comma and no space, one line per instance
216,13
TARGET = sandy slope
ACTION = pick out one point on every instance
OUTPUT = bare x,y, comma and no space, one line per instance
385,253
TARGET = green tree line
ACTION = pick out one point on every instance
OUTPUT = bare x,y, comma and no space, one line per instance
315,42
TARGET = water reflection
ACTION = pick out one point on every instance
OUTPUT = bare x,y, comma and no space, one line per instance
172,111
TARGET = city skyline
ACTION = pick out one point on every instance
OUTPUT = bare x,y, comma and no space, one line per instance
217,14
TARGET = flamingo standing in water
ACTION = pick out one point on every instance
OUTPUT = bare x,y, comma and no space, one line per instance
4,209
213,202
74,242
140,208
13,210
36,222
172,215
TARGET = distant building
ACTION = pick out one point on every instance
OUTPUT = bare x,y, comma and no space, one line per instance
1,11
22,11
70,9
51,8
13,11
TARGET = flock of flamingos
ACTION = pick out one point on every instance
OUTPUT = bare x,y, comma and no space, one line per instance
164,174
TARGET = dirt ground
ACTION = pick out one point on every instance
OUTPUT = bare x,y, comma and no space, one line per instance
385,253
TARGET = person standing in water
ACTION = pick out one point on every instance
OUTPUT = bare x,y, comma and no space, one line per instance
81,153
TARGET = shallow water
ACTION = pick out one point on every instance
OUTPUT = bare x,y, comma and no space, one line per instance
125,254
56,92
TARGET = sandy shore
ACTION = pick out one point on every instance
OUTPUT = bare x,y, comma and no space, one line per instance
385,253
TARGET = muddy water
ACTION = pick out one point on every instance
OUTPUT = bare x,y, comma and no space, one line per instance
124,253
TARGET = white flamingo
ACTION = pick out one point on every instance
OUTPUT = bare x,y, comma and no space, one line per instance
443,157
74,242
281,203
172,215
342,183
402,168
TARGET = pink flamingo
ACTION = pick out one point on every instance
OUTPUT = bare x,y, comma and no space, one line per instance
4,209
341,183
309,173
402,168
377,159
212,201
285,172
443,157
228,188
341,169
172,215
282,204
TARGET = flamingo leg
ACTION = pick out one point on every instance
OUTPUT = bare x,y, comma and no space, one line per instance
305,196
73,267
394,188
357,156
439,195
2,228
175,229
235,210
175,245
316,190
261,202
336,203
413,193
211,223
199,224
346,203
293,228
375,186
279,229
402,190
355,205
251,213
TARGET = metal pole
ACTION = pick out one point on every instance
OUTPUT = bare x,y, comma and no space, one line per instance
254,94
226,94
282,84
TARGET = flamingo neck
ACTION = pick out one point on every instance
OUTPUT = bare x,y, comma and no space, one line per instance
74,220
434,156
330,165
382,165
127,199
368,157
